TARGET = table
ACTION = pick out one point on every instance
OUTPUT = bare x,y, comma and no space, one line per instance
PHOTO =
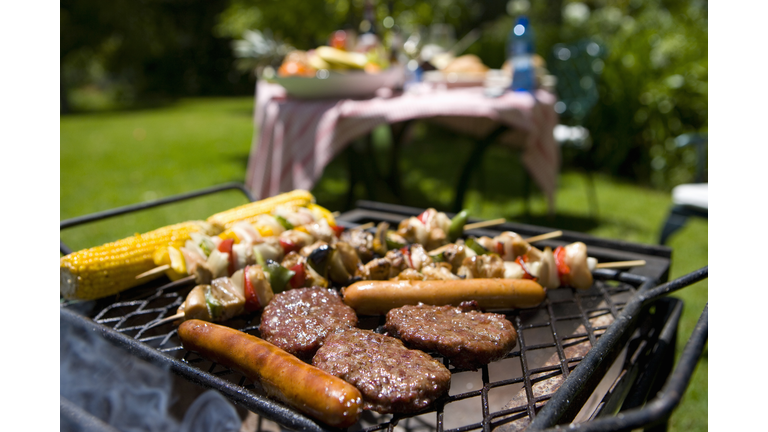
297,138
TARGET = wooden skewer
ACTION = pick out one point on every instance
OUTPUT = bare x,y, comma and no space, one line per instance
166,319
529,240
484,224
545,236
621,264
365,226
154,271
440,249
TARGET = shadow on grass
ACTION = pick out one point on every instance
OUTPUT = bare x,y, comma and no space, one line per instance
241,160
144,105
242,112
568,222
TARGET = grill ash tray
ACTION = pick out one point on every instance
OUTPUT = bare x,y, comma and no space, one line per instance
552,339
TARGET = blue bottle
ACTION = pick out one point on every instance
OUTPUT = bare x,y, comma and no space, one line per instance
520,50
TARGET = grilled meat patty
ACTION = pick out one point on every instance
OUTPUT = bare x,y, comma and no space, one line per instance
391,377
467,337
298,320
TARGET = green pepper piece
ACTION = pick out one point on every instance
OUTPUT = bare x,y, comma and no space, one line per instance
391,244
284,222
259,258
475,246
457,225
278,276
207,246
215,308
438,258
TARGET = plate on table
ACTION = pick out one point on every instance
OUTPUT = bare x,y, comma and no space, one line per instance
455,79
336,84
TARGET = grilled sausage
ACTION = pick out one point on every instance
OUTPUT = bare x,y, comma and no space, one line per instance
283,376
378,297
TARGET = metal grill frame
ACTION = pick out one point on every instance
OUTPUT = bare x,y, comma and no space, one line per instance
560,407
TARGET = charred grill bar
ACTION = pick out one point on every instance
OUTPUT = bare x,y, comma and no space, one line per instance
620,334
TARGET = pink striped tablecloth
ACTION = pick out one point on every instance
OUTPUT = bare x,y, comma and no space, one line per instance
296,138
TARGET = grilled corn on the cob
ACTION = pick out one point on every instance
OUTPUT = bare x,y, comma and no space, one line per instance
249,212
108,269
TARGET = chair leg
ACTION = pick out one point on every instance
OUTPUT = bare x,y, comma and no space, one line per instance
674,222
591,194
527,194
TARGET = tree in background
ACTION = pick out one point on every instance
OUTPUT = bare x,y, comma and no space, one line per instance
137,51
653,85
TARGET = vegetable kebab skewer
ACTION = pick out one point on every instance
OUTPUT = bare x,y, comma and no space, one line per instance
566,265
108,269
208,257
338,262
252,287
204,258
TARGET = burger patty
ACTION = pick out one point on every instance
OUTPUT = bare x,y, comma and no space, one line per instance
467,337
391,377
298,320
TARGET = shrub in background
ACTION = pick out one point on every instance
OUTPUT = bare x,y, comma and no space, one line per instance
653,86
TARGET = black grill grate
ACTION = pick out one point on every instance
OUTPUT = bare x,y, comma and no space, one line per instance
506,395
552,341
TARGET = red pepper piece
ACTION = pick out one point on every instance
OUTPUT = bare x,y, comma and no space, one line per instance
251,299
299,277
337,230
500,248
406,251
289,246
226,247
522,261
423,217
563,271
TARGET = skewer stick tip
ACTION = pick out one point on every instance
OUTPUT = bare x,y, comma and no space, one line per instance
438,250
545,236
166,319
621,264
484,224
154,271
365,226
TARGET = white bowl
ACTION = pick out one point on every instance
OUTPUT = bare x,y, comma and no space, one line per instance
356,84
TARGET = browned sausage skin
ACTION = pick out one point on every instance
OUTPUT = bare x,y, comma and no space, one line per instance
378,297
283,376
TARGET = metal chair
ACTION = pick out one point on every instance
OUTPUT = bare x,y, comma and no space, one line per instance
577,67
689,199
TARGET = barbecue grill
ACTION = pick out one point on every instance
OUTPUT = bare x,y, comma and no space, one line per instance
581,357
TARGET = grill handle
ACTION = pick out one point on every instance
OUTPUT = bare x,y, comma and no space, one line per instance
555,409
660,408
67,223
654,293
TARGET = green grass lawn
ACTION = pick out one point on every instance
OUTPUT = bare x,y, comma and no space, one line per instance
114,159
